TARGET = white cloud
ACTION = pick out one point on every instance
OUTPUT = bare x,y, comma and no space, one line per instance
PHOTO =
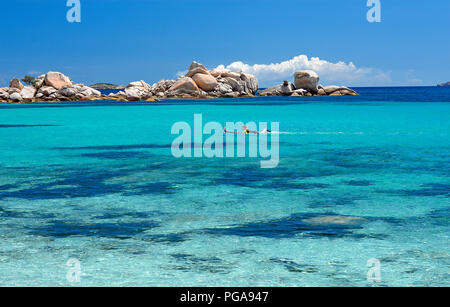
329,73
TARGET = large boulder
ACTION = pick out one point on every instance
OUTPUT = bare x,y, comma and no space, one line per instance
338,90
184,85
133,94
15,83
66,92
28,92
237,86
57,80
39,82
15,97
285,89
223,88
195,65
251,82
89,92
205,81
307,80
138,90
162,86
231,74
141,85
46,90
4,93
196,68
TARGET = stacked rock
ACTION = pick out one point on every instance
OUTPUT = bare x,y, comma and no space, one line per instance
198,82
306,83
53,86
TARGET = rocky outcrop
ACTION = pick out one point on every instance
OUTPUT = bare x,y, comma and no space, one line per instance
198,82
53,86
15,83
184,85
28,92
138,90
15,97
205,81
285,89
307,80
306,84
57,80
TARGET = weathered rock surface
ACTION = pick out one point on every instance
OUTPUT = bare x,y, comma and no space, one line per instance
28,92
199,82
196,68
53,86
15,97
184,85
4,95
205,81
15,83
137,90
306,84
307,80
57,80
285,89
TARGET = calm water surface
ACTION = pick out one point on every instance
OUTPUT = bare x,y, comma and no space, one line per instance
97,182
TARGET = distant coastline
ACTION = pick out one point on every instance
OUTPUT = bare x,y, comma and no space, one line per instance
446,84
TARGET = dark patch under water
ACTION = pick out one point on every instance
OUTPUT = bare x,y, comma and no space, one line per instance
359,183
192,263
116,147
63,229
117,155
431,189
293,266
289,227
278,178
26,126
89,182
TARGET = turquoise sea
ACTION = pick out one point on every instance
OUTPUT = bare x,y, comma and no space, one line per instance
96,181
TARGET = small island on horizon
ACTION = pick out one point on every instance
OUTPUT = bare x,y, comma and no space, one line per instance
446,84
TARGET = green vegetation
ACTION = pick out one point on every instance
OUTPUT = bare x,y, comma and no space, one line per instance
29,80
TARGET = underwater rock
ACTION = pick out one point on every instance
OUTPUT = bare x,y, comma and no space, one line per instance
335,220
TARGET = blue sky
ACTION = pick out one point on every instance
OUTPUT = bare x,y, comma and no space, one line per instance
119,41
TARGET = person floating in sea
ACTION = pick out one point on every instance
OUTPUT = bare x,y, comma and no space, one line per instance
245,130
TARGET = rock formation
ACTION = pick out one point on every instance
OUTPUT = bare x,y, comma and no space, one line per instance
53,86
198,82
306,83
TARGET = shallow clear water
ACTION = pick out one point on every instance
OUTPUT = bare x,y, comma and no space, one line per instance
97,182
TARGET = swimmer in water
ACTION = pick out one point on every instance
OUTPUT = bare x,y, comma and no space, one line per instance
265,131
248,131
226,131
